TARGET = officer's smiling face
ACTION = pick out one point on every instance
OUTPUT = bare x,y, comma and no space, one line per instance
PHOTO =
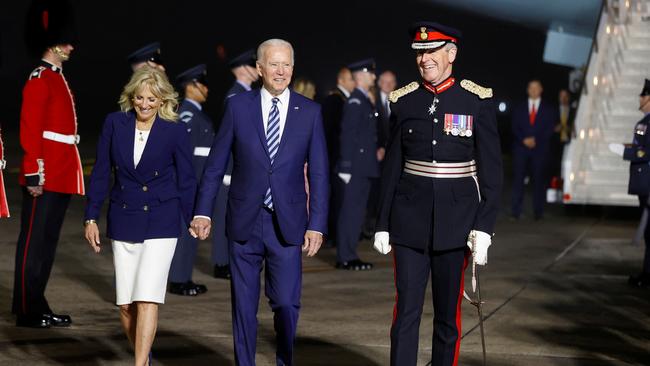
435,65
276,69
146,104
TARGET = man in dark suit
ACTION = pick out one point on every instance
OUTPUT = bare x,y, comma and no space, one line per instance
242,67
358,162
271,134
193,83
332,115
532,127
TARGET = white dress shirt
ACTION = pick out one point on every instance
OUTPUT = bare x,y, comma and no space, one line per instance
195,103
283,107
534,102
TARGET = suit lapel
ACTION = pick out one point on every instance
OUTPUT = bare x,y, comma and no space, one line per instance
292,111
258,120
150,148
126,140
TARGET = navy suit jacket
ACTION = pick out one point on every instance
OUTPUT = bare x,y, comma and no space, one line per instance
242,134
545,121
149,201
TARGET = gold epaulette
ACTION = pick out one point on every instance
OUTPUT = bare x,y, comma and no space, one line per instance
396,94
472,87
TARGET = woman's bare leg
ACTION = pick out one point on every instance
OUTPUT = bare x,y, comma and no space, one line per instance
128,318
147,322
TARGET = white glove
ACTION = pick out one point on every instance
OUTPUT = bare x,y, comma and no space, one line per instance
479,242
345,177
617,149
226,180
381,242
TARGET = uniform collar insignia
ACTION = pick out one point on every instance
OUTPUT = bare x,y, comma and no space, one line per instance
441,87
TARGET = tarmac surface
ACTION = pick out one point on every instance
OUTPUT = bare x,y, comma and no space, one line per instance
555,293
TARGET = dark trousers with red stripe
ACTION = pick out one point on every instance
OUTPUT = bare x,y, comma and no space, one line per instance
40,226
412,270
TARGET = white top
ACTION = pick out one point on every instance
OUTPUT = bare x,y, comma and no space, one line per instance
138,147
534,102
283,107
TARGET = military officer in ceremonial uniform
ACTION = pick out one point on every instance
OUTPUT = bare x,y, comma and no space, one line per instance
358,163
243,68
4,208
193,83
51,168
147,55
440,190
638,153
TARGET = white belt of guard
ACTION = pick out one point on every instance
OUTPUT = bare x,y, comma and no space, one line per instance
66,139
201,151
440,170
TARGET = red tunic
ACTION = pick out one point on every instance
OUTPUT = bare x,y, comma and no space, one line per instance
48,109
4,208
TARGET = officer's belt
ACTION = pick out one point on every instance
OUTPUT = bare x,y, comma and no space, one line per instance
440,170
66,139
201,151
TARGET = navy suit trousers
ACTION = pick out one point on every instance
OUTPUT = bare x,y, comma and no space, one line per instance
533,162
283,279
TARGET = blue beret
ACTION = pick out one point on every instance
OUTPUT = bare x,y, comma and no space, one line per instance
150,52
430,35
363,65
197,73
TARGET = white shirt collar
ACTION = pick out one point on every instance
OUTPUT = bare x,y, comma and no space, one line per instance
267,97
195,103
344,91
246,86
535,102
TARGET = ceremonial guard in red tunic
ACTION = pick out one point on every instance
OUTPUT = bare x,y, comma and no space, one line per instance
51,169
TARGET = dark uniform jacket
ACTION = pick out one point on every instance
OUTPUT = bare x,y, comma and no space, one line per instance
637,154
332,115
420,211
358,152
199,126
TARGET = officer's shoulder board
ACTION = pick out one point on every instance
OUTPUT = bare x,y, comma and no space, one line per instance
474,88
354,101
396,94
36,73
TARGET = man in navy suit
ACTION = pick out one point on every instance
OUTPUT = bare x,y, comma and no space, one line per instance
271,134
532,128
194,84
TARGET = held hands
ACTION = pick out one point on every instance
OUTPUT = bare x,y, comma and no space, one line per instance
530,142
382,242
479,242
91,233
200,228
345,177
313,241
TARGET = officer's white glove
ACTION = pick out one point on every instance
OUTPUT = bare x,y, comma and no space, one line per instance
617,149
381,242
226,180
479,242
345,177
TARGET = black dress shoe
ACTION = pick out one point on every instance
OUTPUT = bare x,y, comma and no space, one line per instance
58,320
182,288
222,271
32,321
640,280
200,289
354,265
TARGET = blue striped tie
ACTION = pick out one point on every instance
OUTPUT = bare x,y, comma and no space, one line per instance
272,143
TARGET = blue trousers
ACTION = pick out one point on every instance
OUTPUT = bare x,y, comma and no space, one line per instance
282,282
533,162
219,241
351,216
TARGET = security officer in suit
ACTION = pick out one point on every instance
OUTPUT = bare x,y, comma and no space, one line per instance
440,188
243,68
193,83
146,55
357,164
638,153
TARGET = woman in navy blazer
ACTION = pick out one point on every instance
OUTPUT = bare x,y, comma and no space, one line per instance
153,188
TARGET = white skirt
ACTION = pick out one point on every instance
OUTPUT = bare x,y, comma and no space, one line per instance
141,269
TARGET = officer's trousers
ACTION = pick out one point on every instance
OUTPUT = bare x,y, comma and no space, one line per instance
643,202
182,265
40,225
412,268
351,217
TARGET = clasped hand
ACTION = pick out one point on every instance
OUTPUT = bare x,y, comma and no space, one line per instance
200,228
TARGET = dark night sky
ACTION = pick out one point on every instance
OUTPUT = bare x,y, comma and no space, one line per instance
325,35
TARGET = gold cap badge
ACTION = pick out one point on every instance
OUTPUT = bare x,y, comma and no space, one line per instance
423,33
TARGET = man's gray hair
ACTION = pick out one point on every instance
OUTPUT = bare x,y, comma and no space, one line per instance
273,42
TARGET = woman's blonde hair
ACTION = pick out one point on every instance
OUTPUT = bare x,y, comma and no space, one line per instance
159,86
305,87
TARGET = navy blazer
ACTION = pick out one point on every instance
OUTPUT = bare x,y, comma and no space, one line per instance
545,121
149,201
242,134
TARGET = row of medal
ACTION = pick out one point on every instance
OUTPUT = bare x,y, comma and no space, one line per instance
458,125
